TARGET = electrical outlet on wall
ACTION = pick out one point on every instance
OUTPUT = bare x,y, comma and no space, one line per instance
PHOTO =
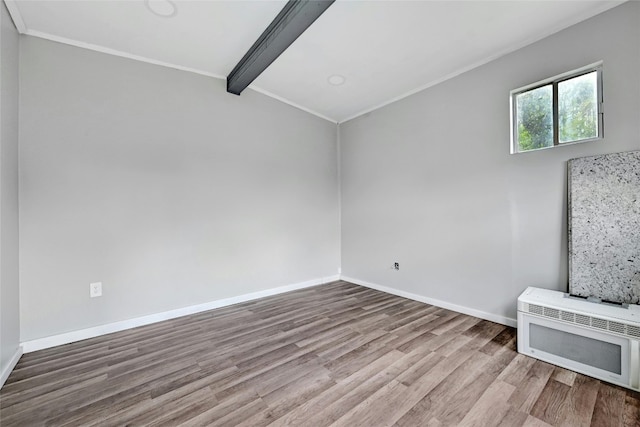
396,266
95,289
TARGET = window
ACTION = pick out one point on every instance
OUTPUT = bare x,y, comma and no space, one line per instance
557,111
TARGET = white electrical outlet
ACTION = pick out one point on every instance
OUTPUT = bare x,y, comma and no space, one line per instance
95,289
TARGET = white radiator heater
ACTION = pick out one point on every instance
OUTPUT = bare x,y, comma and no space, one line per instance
596,339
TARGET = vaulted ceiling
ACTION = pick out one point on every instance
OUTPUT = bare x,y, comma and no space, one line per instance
382,50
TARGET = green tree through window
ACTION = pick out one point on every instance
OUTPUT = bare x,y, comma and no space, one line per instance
576,115
577,108
535,118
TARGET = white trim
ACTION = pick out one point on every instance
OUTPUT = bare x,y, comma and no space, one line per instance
554,81
22,29
16,16
82,334
12,364
339,172
561,26
14,11
115,52
443,304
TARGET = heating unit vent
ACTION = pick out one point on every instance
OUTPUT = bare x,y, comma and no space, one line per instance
581,319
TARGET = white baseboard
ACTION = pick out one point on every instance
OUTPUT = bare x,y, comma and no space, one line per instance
83,334
12,364
449,306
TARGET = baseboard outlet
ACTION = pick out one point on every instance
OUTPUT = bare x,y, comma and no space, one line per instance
438,303
83,334
12,364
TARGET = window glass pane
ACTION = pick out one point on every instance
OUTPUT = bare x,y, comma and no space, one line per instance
535,118
578,108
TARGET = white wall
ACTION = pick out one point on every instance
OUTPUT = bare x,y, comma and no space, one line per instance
429,181
162,186
173,193
9,287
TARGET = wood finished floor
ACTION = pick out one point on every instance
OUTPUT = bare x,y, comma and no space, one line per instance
336,354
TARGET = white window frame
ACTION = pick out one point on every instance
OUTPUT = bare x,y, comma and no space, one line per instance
597,66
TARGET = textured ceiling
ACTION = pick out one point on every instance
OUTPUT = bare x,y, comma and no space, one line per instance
385,50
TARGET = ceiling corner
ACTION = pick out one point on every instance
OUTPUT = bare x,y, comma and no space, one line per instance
293,104
16,16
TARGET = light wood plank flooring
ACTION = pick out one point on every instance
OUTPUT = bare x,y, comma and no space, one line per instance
336,354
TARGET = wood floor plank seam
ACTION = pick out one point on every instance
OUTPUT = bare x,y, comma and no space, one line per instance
336,354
